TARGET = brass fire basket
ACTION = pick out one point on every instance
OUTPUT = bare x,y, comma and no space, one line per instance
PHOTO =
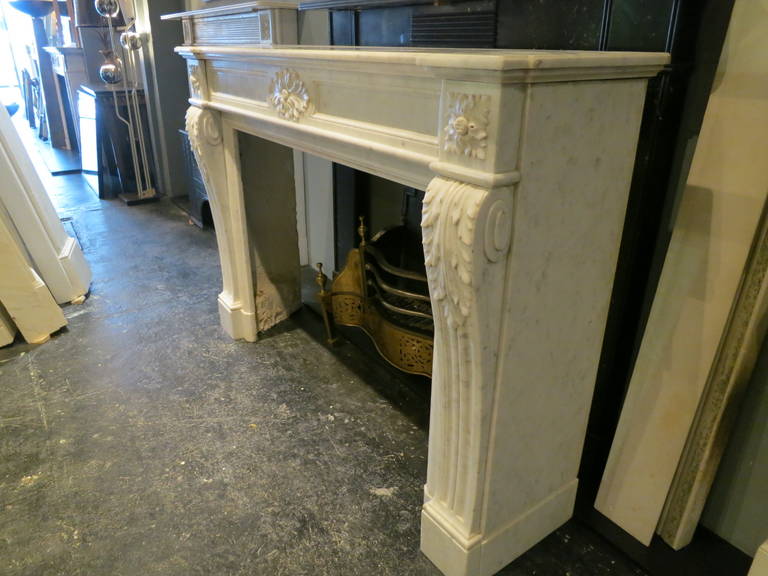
388,302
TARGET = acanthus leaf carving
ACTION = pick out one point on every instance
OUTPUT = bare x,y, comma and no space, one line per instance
454,234
466,231
289,96
448,222
466,128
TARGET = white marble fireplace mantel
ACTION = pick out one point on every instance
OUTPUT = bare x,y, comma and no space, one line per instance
526,158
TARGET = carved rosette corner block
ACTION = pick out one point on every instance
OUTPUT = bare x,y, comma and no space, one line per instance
196,81
265,27
288,96
466,125
467,231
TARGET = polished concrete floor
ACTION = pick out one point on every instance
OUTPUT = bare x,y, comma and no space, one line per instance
141,440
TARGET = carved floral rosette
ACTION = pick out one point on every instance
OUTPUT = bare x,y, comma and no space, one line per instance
288,95
466,129
265,27
195,79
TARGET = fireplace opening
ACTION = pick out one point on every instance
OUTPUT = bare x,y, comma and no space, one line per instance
390,303
380,284
375,292
383,204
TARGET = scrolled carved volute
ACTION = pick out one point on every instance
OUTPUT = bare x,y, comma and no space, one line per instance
467,231
203,124
204,130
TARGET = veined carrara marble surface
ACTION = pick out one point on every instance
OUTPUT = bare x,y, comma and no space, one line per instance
526,158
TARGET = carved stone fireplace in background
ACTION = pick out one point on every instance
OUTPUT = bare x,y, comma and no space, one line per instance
526,159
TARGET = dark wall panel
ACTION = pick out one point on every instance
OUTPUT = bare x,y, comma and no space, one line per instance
343,28
385,27
640,25
550,24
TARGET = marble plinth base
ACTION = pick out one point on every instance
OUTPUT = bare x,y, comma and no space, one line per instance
235,321
483,556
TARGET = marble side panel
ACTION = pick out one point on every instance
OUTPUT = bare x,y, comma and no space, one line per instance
270,209
576,161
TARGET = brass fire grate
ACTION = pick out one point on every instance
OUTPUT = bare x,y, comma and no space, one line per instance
389,303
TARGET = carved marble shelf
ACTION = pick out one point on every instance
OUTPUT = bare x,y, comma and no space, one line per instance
526,158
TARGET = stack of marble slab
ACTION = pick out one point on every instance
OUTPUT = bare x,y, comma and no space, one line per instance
7,329
26,302
41,266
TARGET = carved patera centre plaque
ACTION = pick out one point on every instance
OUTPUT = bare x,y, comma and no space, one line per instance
288,95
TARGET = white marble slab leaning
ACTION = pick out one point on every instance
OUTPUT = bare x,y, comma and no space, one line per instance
526,158
707,320
56,255
7,328
23,294
760,564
